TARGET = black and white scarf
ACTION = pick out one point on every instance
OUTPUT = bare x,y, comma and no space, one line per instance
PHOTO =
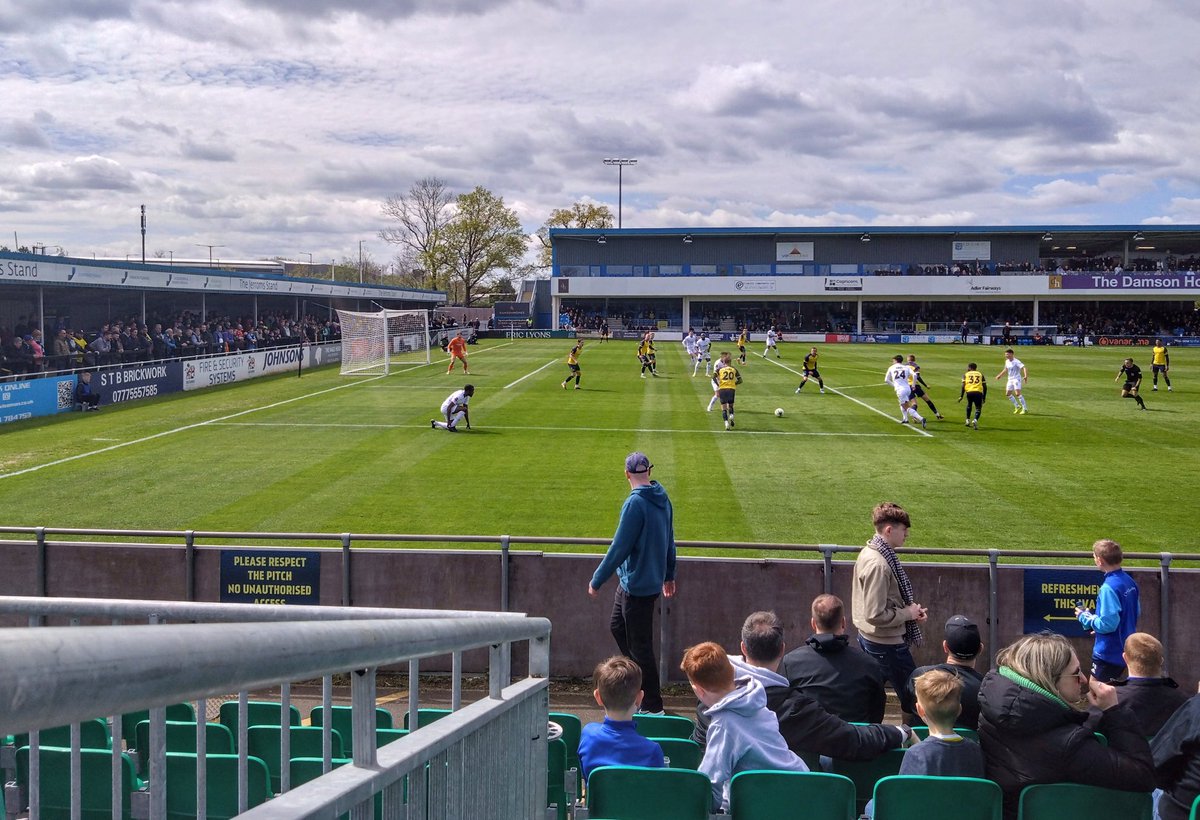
912,632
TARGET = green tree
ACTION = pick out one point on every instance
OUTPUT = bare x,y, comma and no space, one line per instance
483,237
579,215
421,217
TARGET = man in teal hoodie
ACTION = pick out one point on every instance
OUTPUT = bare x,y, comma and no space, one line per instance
642,554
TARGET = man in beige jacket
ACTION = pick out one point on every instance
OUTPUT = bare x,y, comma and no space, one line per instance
884,609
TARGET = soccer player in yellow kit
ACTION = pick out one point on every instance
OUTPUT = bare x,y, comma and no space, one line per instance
974,387
727,379
742,339
573,363
1161,363
810,371
646,354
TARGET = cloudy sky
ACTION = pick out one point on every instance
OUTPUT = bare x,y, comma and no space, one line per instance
278,127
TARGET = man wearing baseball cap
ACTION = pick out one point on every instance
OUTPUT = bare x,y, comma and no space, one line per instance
962,646
642,554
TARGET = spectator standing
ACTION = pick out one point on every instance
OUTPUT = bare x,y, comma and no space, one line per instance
642,554
885,611
845,680
1117,611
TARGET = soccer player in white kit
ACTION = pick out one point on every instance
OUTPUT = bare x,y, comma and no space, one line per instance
689,344
772,339
723,360
703,354
1017,376
900,377
454,410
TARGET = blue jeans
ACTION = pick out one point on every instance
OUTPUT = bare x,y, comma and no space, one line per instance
896,663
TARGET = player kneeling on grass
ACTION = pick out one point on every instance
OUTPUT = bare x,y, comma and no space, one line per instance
454,410
1133,380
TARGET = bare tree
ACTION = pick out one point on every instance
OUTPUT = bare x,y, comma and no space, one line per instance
421,217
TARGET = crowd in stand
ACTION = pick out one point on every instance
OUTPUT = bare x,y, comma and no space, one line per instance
1040,715
186,335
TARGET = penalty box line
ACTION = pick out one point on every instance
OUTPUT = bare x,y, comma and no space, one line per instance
210,422
539,428
912,427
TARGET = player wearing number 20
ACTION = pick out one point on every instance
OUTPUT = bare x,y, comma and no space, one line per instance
727,379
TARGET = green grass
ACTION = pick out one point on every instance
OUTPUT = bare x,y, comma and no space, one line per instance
326,453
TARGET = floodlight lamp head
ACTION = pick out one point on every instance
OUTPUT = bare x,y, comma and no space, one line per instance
865,238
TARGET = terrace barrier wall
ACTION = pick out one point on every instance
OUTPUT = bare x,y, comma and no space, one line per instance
1005,592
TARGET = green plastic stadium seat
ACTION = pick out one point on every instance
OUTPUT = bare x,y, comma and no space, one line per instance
343,722
426,716
769,795
260,713
663,726
385,736
572,728
129,722
923,732
306,741
866,773
634,793
93,734
181,737
910,797
1055,801
683,752
222,780
1195,813
556,776
96,782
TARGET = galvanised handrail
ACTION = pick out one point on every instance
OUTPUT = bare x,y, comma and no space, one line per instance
58,675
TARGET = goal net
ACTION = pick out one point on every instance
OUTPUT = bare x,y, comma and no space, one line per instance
372,343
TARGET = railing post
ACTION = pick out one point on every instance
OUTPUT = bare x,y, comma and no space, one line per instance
993,603
189,558
504,539
1164,606
345,569
39,581
827,568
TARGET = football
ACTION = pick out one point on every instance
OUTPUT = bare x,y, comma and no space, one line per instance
779,412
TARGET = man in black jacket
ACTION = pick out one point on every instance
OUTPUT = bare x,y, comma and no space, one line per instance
1152,697
1176,751
842,678
962,646
809,730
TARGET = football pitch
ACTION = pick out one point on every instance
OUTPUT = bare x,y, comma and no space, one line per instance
329,453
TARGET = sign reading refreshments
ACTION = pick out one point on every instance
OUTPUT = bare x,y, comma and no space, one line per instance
1051,596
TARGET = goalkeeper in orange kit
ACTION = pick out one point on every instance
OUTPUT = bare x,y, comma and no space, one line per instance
457,350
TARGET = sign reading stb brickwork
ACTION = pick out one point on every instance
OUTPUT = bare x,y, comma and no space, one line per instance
1051,596
270,577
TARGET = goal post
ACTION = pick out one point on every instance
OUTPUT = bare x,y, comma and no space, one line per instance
372,343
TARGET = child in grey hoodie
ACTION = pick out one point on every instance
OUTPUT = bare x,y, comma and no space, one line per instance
743,733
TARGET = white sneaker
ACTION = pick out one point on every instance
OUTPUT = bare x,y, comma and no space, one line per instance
726,424
968,422
975,424
1168,389
822,391
798,390
643,375
1155,388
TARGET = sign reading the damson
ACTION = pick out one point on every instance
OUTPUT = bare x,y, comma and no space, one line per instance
270,577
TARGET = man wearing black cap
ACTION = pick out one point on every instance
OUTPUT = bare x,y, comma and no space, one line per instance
962,646
642,554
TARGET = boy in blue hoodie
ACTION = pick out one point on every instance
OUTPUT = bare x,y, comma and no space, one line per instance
616,741
743,733
642,554
1116,615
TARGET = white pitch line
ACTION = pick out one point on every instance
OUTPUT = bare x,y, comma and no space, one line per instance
912,427
534,373
217,420
738,431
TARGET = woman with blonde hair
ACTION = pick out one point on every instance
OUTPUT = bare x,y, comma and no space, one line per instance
1037,716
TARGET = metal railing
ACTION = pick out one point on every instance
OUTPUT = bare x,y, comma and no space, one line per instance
476,762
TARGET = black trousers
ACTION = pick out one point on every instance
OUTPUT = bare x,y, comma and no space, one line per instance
632,626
